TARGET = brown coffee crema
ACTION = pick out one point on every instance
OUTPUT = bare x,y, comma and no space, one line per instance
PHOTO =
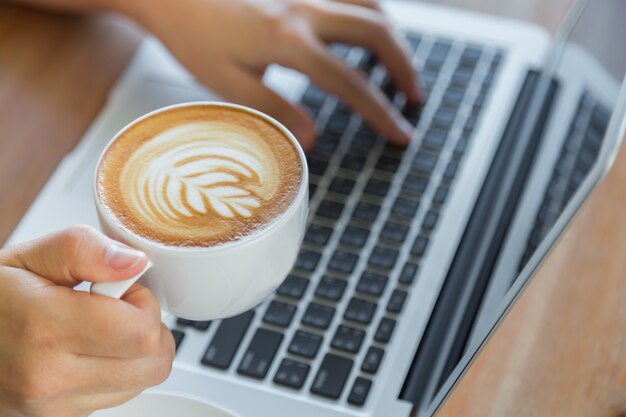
199,176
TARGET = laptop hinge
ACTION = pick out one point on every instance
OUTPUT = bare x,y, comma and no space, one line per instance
446,334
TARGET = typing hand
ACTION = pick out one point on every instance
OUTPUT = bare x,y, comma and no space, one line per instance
66,353
229,44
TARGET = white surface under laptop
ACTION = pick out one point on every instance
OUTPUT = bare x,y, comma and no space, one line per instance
154,80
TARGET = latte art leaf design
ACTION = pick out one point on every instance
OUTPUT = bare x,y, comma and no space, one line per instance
213,180
199,170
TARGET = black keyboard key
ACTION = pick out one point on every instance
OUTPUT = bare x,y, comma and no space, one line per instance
364,138
470,56
372,359
341,185
387,87
435,138
425,161
460,148
330,209
318,234
316,165
430,220
372,283
291,373
440,50
366,211
326,143
394,232
453,96
318,315
312,188
343,261
360,311
412,112
198,325
347,339
260,353
585,160
293,287
313,96
331,376
384,330
405,207
184,322
355,236
450,171
396,301
279,313
407,275
367,61
387,163
440,195
305,344
414,40
383,257
353,162
462,76
469,126
226,340
444,118
415,183
479,101
419,246
330,288
377,187
178,337
359,391
428,77
337,123
307,260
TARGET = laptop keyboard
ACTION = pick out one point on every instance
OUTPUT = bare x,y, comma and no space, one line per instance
374,210
578,155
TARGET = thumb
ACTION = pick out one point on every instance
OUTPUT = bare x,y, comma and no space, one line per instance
76,254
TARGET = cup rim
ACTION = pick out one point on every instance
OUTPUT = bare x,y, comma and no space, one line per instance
301,195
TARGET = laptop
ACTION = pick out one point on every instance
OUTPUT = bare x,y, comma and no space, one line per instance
412,255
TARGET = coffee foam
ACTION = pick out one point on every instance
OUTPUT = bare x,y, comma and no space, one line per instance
199,176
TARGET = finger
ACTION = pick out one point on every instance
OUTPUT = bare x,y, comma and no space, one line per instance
345,23
88,375
331,74
100,326
369,4
76,254
239,85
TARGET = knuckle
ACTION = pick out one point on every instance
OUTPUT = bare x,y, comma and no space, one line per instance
147,338
163,365
36,332
35,384
73,237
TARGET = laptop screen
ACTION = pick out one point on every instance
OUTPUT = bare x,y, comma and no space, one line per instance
579,134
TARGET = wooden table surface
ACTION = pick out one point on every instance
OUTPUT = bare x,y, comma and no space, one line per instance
561,350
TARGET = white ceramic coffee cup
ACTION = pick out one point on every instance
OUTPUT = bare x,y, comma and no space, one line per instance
218,281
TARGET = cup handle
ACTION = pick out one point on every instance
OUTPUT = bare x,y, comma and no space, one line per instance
116,289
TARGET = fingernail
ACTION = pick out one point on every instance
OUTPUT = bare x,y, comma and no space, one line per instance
406,129
122,258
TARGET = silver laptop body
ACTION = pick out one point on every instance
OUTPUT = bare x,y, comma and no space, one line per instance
390,298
